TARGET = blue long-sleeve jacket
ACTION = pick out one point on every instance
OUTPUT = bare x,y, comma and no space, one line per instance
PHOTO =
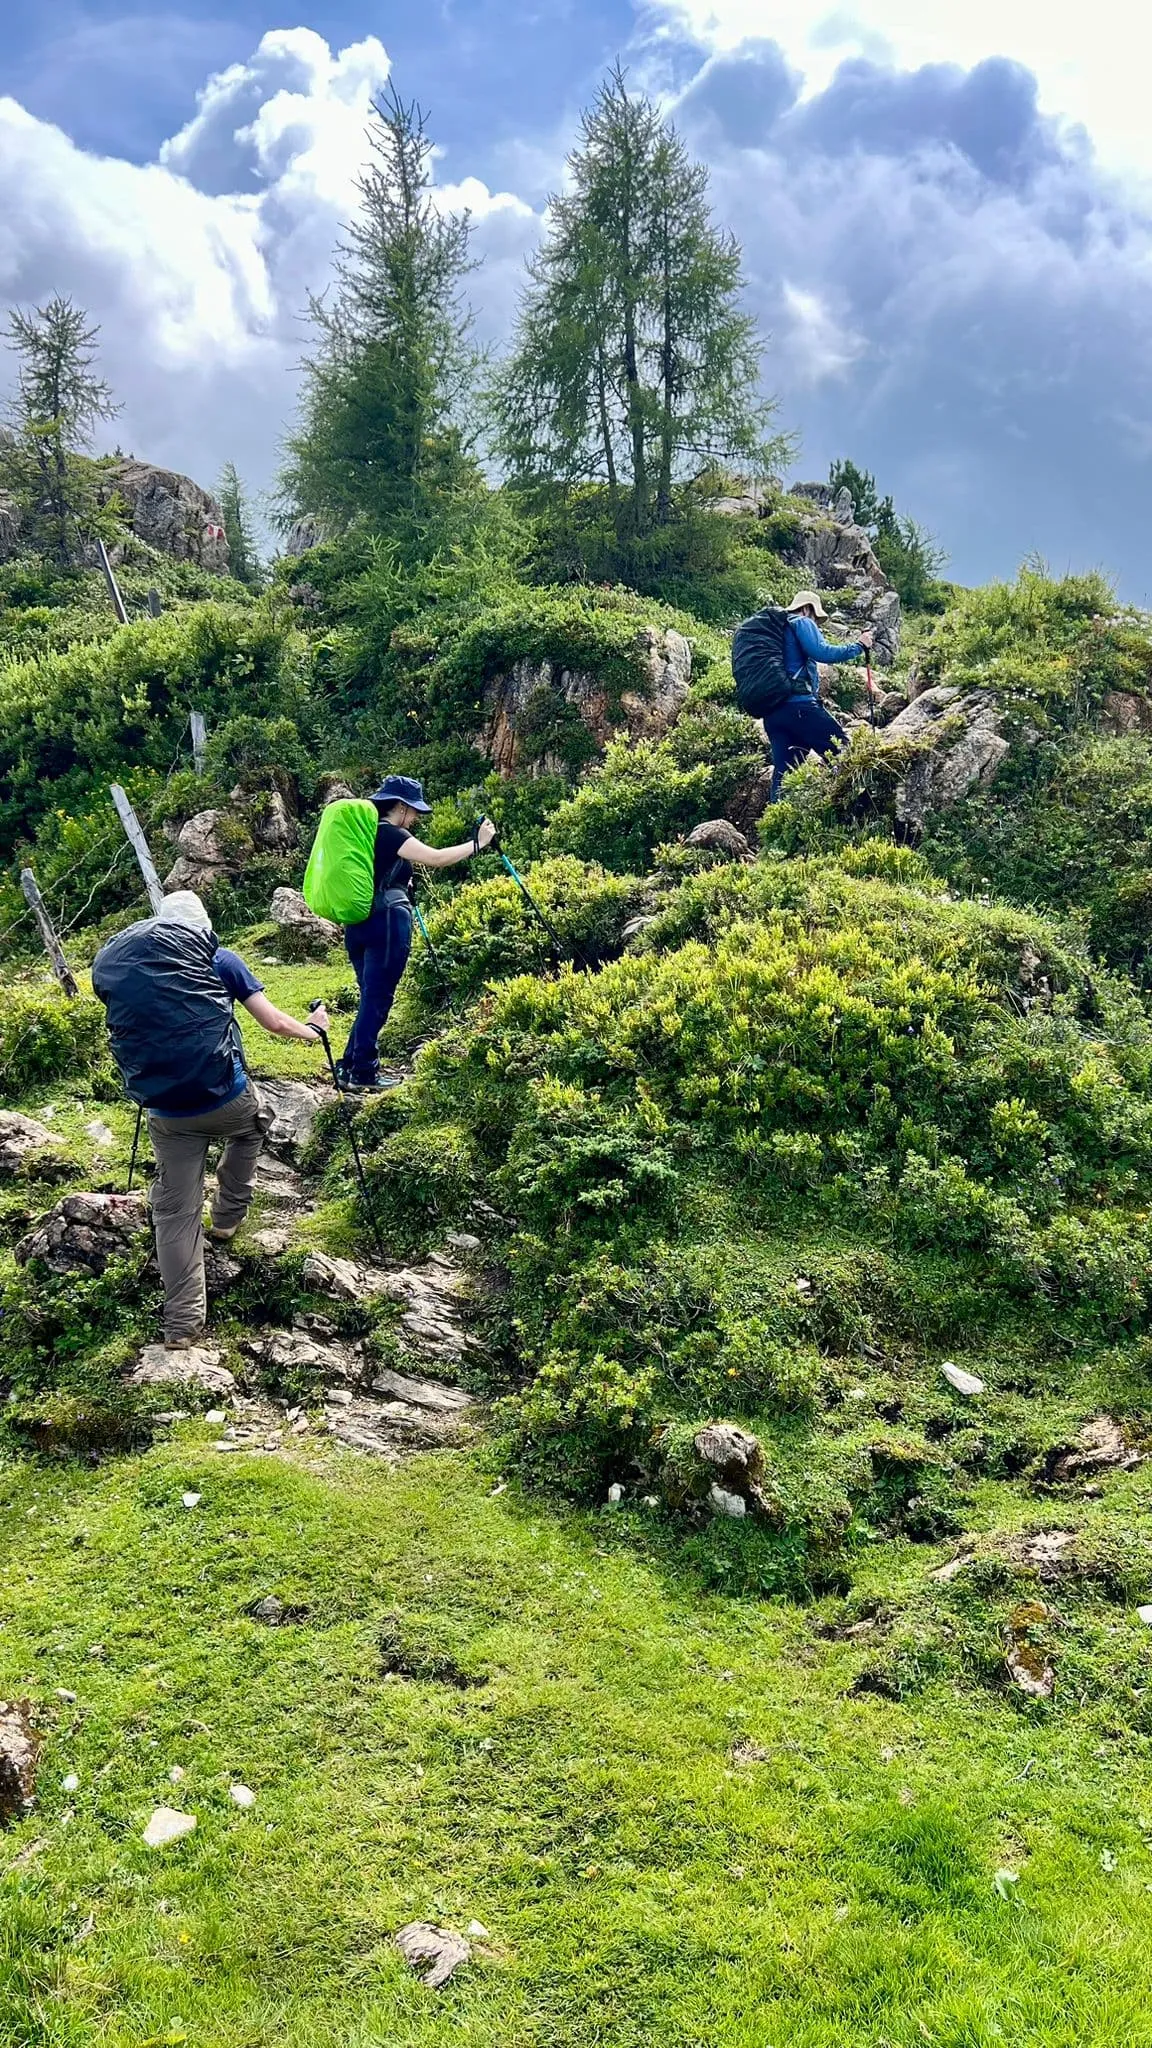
804,647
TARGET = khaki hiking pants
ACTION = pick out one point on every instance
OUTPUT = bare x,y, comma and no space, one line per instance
181,1147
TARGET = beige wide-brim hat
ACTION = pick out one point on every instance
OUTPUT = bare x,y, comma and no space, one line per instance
806,597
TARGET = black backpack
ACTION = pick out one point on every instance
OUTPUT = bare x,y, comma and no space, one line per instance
762,681
169,1016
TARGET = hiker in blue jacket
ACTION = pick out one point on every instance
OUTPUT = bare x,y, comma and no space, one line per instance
800,725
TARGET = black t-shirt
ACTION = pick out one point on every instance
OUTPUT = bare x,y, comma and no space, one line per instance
391,873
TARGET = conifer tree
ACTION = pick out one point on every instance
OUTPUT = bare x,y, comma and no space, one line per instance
243,554
379,434
57,404
633,364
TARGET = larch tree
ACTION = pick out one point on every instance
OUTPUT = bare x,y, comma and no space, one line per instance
51,420
243,552
633,365
379,435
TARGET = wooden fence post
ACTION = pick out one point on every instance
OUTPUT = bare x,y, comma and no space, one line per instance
113,587
52,946
134,833
199,740
154,605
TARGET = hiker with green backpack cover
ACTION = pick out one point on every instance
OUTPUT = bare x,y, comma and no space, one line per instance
359,874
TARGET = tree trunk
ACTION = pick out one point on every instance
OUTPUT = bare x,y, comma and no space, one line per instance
631,358
667,366
606,427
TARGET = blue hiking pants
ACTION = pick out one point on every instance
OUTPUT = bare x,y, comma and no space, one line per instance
378,950
799,727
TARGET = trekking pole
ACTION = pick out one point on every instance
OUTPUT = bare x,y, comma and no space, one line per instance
545,923
316,1004
871,693
135,1144
434,956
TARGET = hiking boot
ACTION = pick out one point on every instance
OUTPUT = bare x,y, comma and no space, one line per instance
184,1343
376,1085
218,1236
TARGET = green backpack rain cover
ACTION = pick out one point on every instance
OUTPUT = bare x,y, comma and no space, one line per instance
340,879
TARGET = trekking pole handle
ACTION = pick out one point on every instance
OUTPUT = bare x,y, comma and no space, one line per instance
317,1003
493,845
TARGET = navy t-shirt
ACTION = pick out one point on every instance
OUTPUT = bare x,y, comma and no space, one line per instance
391,873
240,983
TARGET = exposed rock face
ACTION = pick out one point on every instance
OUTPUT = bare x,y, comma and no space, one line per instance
967,746
211,846
303,935
84,1232
294,1111
19,1744
719,835
303,534
170,513
432,1296
19,1136
1123,713
9,527
666,659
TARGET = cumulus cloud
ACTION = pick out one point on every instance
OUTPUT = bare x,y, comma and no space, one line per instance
957,293
198,266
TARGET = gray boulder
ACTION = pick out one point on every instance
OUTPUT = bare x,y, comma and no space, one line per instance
303,534
294,1111
303,935
199,1367
170,513
719,835
19,1137
965,745
9,527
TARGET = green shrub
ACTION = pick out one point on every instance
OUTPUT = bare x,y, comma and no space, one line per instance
44,1036
486,931
69,721
633,800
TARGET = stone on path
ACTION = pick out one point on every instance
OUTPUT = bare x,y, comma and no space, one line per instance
421,1393
19,1744
433,1952
167,1826
200,1367
1030,1671
964,1382
1144,1614
294,1111
99,1133
303,935
19,1136
241,1795
1099,1444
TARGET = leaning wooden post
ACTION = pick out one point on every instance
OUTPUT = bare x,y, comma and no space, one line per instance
52,946
134,832
199,741
113,586
154,605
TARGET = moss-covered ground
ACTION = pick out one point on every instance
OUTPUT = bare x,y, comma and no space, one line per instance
667,1809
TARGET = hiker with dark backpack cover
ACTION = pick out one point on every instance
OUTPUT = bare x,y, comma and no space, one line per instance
774,663
168,988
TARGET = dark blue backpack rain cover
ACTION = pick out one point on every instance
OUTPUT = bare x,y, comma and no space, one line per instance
762,681
169,1016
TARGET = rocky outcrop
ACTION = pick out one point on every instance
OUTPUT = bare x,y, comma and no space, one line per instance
170,512
516,704
294,1109
303,534
198,1367
213,846
303,935
85,1232
432,1299
964,744
832,551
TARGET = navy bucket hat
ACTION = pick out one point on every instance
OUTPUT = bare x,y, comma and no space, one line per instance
401,789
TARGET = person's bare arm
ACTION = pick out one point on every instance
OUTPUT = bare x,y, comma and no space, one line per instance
445,856
281,1025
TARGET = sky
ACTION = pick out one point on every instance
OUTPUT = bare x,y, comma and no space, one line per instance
945,212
